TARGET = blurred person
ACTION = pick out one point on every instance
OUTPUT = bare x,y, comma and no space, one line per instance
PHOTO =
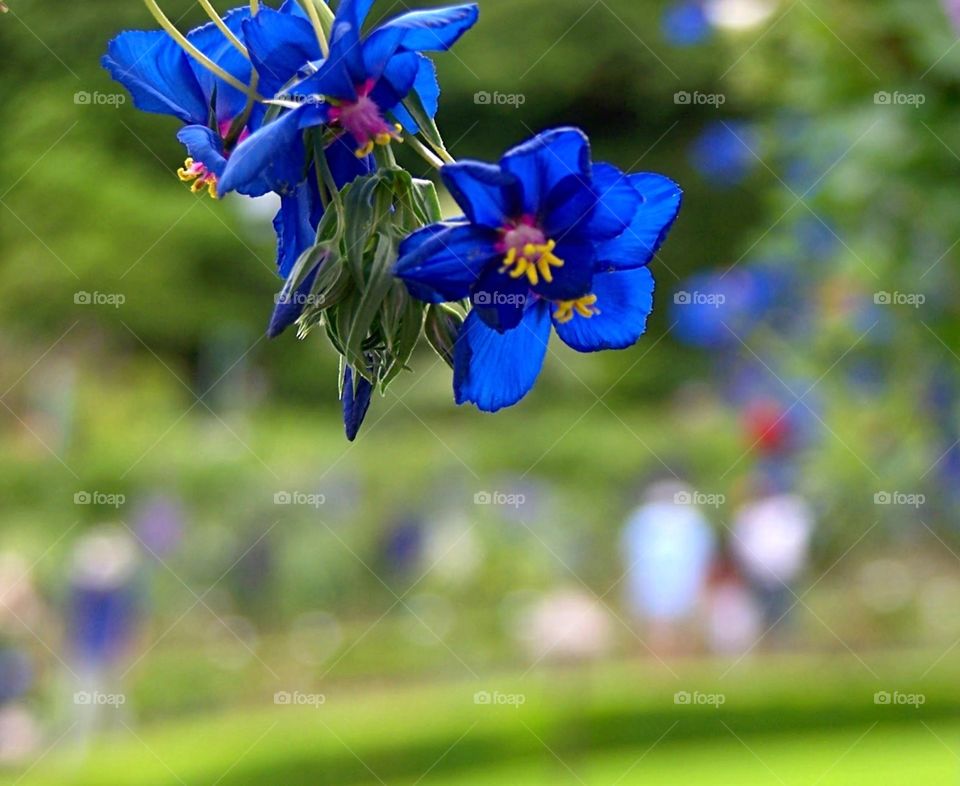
734,618
771,543
103,610
565,624
668,546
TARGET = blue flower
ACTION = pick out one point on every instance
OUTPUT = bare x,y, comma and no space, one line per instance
364,79
163,79
356,401
548,238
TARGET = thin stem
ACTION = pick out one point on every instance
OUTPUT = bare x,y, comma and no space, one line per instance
311,10
195,53
218,21
425,152
441,151
254,7
326,15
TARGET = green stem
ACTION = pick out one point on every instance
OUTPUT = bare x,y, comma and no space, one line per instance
425,152
195,53
218,21
321,34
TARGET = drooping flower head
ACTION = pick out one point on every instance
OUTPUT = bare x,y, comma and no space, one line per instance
547,237
358,89
164,79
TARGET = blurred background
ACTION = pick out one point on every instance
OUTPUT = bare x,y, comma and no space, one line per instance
726,555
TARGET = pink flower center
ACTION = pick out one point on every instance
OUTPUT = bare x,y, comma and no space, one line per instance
527,251
363,120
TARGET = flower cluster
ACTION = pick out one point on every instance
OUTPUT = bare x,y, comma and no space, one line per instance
306,104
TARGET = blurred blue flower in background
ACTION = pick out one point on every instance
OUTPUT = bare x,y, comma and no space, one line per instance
685,23
724,152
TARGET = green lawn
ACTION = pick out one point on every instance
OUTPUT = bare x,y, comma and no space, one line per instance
874,756
788,720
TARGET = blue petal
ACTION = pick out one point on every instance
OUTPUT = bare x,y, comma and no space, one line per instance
295,225
617,203
355,402
344,164
210,40
158,75
343,70
641,240
625,300
397,80
500,300
478,189
289,305
280,45
204,145
443,261
427,89
574,279
430,30
275,154
569,208
292,7
495,370
542,163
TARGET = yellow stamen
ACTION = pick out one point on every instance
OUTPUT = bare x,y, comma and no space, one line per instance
535,262
383,139
567,309
199,177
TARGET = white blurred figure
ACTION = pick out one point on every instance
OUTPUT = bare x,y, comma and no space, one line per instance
734,618
564,625
771,542
668,546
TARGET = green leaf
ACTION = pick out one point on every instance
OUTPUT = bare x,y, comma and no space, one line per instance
441,327
378,284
